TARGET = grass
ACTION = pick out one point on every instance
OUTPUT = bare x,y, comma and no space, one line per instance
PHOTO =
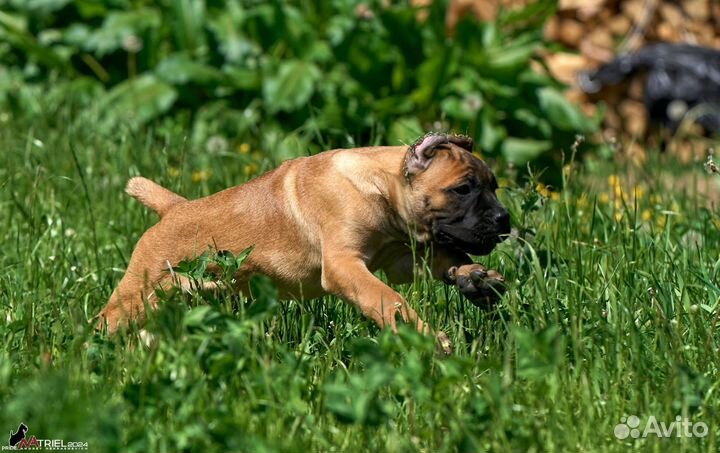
611,311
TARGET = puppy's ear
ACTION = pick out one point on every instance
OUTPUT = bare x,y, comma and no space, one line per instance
421,154
463,141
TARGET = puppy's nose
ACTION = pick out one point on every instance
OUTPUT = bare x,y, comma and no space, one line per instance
502,220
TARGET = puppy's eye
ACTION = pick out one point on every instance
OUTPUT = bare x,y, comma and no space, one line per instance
462,189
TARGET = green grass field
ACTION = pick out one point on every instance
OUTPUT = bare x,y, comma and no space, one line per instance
611,311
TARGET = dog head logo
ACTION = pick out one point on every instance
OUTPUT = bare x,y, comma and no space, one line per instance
18,435
18,441
453,193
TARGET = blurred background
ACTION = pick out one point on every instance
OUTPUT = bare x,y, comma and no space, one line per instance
274,80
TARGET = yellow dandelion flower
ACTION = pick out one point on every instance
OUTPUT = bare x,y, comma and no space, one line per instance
617,190
655,199
639,192
618,216
613,181
646,215
200,175
661,220
543,190
555,196
243,148
603,198
250,169
173,172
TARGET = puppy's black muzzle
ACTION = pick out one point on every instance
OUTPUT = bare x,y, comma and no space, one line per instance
476,235
501,218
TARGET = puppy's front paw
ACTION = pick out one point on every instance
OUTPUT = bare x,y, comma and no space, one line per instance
482,287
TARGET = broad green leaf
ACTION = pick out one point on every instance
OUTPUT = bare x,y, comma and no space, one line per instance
243,78
560,112
44,6
404,131
14,22
13,29
498,87
490,34
291,86
520,151
338,28
179,69
491,133
318,51
510,58
393,106
232,42
466,108
138,100
431,75
355,399
89,9
188,18
527,116
536,11
118,26
196,316
538,353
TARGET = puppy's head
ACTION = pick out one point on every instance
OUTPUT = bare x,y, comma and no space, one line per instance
453,194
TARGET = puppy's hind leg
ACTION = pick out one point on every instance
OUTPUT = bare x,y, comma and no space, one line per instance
138,289
127,303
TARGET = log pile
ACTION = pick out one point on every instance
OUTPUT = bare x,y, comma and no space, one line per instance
589,33
594,31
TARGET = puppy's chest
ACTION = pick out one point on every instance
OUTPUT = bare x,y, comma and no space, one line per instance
384,253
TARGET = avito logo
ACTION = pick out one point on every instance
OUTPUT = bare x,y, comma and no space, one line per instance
681,427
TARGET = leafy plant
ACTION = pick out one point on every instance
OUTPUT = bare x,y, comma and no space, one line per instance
361,73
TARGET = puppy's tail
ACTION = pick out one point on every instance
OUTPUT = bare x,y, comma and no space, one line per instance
153,195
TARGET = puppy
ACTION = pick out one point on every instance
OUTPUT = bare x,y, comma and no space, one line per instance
324,224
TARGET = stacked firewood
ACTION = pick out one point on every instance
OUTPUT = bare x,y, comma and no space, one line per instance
595,31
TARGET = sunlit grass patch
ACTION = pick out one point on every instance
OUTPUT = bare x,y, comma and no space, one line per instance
611,311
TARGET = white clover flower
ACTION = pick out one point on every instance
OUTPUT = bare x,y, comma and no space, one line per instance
216,144
132,43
